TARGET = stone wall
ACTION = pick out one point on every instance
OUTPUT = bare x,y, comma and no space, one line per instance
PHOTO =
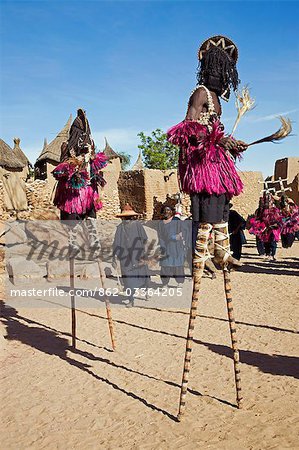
109,194
2,205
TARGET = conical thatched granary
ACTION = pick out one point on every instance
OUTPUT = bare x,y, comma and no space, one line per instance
11,170
18,152
109,152
8,159
138,164
50,154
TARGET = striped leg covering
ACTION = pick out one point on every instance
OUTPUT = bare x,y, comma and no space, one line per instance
201,254
222,253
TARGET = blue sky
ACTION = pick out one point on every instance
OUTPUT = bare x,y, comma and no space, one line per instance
132,66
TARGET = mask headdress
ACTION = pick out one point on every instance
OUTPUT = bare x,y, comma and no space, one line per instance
218,72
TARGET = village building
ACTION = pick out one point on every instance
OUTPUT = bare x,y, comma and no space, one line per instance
146,190
13,188
50,155
18,152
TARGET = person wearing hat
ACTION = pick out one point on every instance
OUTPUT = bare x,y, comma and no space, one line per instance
129,249
207,169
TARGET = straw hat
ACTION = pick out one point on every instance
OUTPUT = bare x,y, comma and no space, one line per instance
127,211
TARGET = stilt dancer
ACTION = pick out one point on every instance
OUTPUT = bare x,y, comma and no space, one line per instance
79,176
207,173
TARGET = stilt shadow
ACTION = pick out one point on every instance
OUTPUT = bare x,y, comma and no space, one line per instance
274,364
49,342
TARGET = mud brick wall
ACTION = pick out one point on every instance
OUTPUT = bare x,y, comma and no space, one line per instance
132,190
287,168
294,193
247,202
160,186
110,193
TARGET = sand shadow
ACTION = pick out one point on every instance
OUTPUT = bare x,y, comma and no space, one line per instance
49,342
274,364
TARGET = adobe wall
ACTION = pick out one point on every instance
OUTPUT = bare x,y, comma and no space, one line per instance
159,186
247,202
109,194
131,188
287,168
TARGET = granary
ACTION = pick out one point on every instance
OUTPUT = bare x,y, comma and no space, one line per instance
50,154
11,179
18,152
138,164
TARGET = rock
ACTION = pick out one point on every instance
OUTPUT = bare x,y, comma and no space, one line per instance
15,233
21,268
58,270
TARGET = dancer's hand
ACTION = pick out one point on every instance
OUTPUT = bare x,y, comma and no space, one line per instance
241,146
228,143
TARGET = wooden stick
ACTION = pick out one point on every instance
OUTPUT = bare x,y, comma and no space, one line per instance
108,309
201,249
232,327
73,304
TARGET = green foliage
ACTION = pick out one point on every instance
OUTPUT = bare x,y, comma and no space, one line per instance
157,152
125,160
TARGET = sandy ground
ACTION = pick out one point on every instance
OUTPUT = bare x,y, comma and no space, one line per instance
53,397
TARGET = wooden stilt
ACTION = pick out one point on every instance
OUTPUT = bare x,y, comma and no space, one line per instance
73,303
108,309
201,250
232,327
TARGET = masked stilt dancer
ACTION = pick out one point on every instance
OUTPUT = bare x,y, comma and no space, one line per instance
79,176
208,174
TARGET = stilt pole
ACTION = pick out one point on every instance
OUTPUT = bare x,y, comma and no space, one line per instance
73,303
108,309
233,333
200,255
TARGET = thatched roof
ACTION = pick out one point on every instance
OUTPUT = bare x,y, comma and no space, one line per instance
138,164
19,152
109,152
8,159
52,151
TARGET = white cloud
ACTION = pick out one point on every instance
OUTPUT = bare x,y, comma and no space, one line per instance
271,116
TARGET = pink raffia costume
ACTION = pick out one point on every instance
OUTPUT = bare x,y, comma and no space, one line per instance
267,224
207,172
79,177
204,165
77,188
